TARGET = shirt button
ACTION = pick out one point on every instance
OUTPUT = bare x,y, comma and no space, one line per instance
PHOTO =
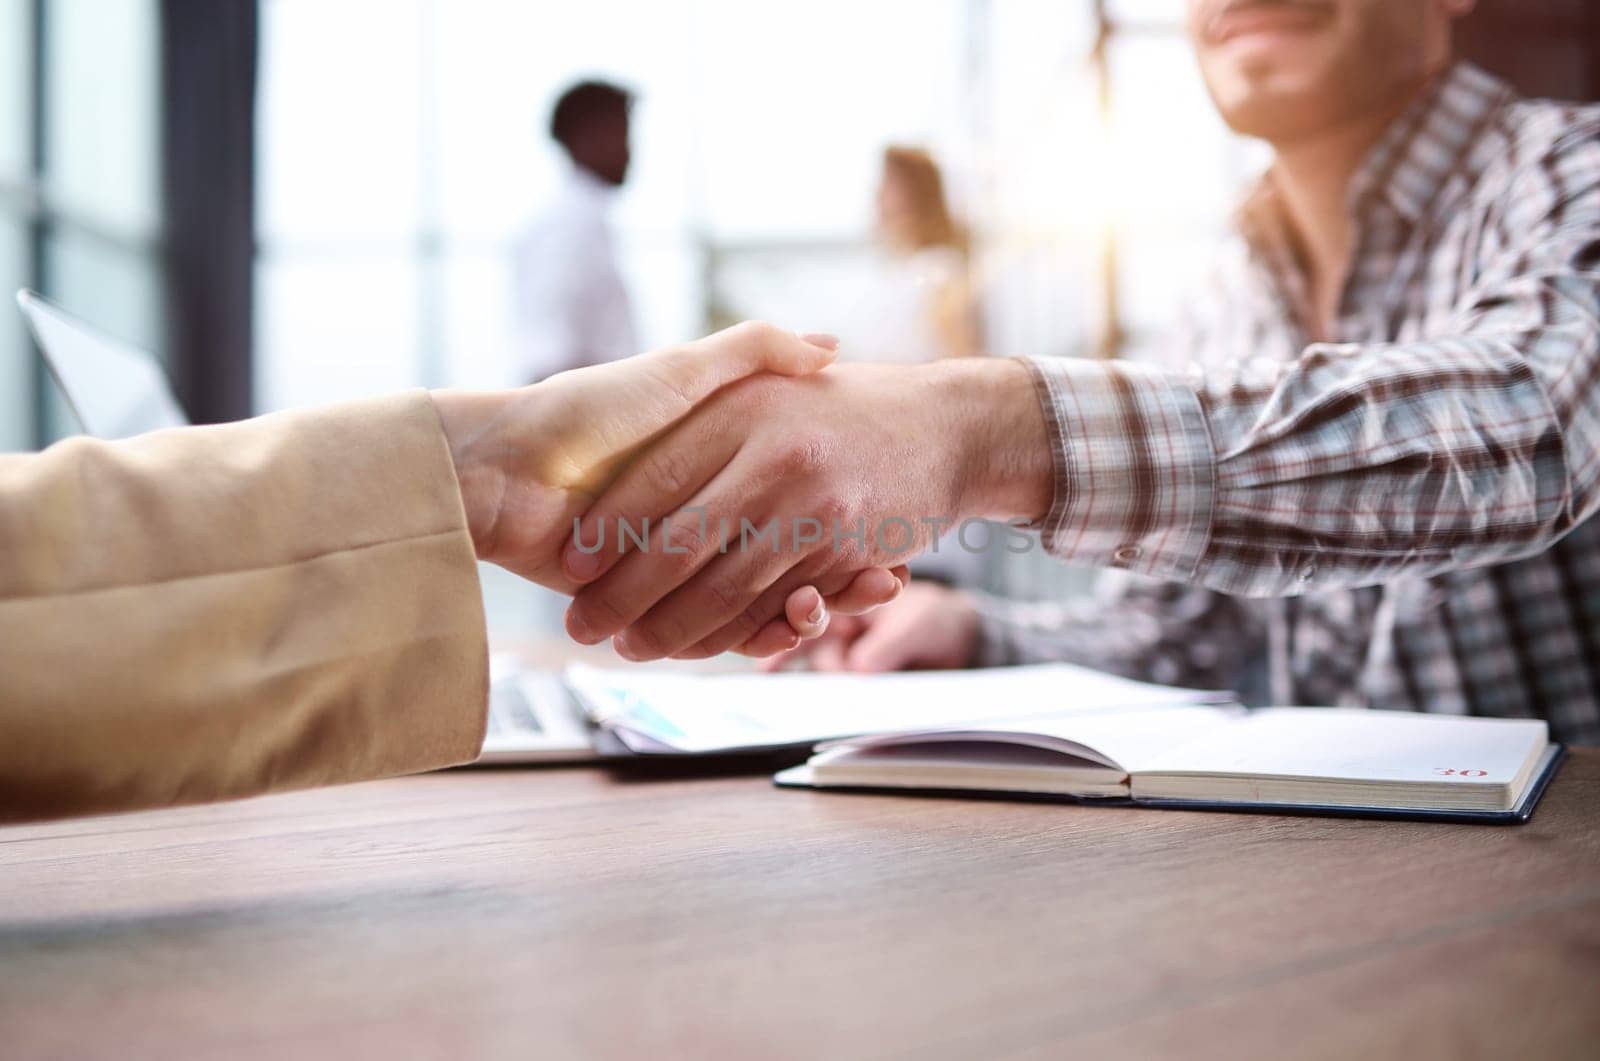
1308,572
1127,554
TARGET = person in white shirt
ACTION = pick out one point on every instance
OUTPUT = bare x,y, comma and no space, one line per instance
571,304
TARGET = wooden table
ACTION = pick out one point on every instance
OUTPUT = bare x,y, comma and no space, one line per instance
562,912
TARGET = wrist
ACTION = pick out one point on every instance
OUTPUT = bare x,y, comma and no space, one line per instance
1003,462
469,420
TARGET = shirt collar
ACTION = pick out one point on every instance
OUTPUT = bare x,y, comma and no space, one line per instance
1411,163
586,186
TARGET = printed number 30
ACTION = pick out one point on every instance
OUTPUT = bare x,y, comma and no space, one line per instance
1450,771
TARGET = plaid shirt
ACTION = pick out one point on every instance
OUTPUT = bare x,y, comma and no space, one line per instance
1401,518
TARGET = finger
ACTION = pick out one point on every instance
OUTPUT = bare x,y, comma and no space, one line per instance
860,594
771,602
842,630
705,602
773,664
806,612
870,589
697,370
805,619
773,640
661,481
679,603
675,551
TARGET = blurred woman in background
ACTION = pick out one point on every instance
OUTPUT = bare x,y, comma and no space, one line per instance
921,306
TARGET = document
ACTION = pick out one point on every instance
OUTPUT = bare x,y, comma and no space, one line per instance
673,712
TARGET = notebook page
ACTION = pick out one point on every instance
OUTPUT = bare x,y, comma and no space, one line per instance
1114,736
707,712
1358,745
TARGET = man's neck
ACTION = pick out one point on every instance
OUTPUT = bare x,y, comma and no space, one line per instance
1312,176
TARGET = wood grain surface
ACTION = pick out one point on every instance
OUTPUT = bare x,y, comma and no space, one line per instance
565,912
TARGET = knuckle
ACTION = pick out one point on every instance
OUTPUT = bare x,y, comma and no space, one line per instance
682,552
669,471
724,594
803,455
682,544
759,332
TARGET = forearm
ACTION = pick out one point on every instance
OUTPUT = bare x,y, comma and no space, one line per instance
216,612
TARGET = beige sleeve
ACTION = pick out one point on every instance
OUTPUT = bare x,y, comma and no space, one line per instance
215,612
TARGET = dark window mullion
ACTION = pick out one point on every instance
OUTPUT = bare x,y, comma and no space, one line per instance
38,221
207,159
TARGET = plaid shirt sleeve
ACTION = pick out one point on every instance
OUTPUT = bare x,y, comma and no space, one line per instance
1354,464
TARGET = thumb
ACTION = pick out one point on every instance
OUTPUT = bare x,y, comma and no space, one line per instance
699,369
606,412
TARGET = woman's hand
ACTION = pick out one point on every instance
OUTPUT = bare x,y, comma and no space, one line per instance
530,461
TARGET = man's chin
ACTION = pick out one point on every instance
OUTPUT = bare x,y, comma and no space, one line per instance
1274,108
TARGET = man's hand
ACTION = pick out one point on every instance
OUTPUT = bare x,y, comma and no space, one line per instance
931,627
889,456
531,460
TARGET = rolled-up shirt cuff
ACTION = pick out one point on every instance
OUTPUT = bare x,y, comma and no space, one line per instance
1134,466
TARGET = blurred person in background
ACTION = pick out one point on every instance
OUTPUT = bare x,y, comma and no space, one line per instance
572,307
921,306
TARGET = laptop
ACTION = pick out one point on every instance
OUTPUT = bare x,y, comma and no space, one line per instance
117,390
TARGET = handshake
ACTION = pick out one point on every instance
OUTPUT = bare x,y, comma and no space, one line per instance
728,494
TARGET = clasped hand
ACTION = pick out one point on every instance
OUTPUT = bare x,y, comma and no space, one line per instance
726,494
532,460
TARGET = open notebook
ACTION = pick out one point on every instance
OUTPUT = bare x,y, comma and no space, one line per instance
1305,760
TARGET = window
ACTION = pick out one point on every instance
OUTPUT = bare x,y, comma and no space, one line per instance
401,189
402,147
392,187
78,172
